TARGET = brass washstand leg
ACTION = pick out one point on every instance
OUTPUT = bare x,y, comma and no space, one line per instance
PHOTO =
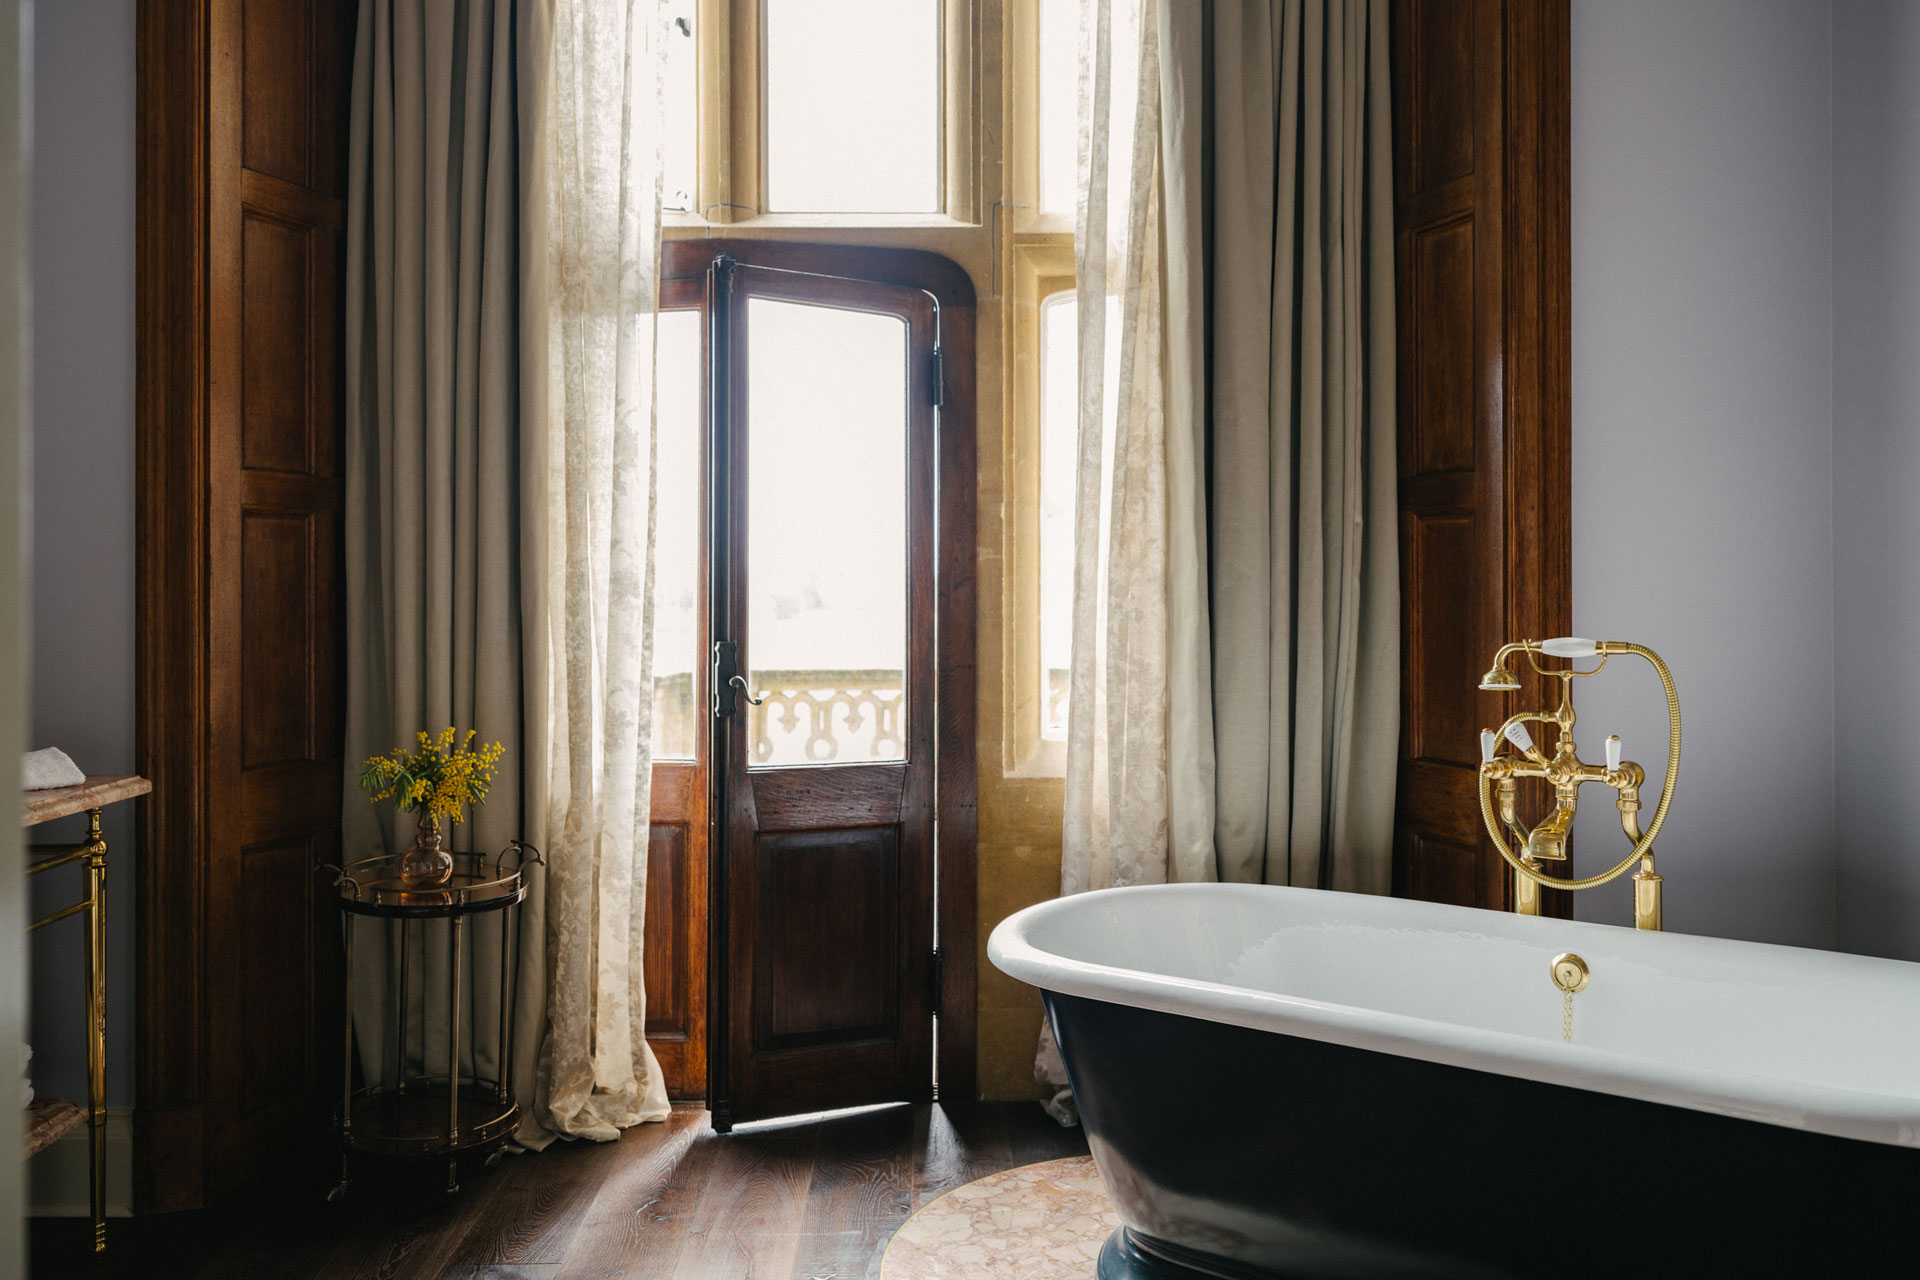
453,1064
97,1026
346,1070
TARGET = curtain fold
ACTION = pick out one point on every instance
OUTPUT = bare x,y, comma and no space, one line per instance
439,510
1305,584
1233,699
502,273
603,240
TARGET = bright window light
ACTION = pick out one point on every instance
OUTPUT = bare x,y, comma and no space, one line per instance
853,106
683,110
1059,450
1059,67
677,533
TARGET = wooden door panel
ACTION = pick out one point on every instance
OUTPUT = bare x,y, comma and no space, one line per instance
828,970
674,965
1481,191
841,796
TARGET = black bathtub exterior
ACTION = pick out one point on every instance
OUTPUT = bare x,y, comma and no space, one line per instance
1245,1154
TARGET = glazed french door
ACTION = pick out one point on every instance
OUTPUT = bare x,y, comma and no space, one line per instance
804,807
821,690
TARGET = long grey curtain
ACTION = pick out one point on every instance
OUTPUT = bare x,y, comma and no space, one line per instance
1305,575
1234,694
445,501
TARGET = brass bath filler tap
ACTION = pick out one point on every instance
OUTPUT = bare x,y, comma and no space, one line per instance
1547,842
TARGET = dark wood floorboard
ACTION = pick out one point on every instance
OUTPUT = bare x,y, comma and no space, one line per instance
810,1200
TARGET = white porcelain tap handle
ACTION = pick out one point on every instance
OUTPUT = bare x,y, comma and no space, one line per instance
1613,752
1488,741
1517,734
1569,647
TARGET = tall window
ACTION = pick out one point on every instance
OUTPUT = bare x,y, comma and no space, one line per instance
808,109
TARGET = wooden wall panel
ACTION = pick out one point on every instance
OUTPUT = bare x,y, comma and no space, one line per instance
277,649
277,345
675,961
277,88
1481,175
243,107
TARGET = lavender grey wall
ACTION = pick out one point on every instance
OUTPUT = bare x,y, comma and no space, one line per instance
1876,467
1703,391
81,674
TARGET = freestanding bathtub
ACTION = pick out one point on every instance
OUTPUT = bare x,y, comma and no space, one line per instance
1288,1082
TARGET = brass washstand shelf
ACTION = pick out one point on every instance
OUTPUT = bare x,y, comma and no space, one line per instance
1547,842
448,1114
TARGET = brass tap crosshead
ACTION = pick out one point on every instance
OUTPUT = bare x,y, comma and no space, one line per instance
1547,842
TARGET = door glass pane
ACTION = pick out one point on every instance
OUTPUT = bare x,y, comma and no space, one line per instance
853,106
677,535
826,534
681,92
1059,103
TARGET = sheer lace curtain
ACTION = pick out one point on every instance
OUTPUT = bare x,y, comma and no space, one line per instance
605,136
1139,776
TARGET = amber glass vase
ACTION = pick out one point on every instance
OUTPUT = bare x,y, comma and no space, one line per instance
426,865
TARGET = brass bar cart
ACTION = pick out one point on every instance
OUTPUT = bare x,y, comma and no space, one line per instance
433,1114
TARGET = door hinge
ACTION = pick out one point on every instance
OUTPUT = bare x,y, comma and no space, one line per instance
939,979
939,374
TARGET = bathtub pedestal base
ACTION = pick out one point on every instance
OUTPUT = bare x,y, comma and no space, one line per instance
1122,1258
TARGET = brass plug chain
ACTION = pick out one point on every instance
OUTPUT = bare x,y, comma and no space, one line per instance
1566,1017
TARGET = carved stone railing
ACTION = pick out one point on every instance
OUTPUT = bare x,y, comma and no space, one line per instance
838,716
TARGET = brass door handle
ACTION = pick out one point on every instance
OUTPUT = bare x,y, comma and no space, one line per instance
746,690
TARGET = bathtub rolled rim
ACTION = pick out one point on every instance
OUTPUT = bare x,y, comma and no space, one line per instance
1886,1119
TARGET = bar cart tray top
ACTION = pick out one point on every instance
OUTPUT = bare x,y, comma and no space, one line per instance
480,882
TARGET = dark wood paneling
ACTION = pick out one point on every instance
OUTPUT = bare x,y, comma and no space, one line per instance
1440,551
843,796
242,117
1481,92
1442,295
1438,81
277,87
828,938
666,964
276,636
276,890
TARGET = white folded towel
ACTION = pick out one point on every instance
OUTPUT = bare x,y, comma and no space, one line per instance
44,770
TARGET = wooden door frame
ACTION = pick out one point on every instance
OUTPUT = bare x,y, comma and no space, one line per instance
171,593
956,815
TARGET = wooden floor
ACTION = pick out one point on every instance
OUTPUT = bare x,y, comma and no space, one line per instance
814,1200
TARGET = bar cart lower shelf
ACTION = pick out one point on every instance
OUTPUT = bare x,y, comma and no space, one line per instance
449,1114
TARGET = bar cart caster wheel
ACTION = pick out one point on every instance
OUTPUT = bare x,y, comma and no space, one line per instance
493,1161
453,1175
338,1192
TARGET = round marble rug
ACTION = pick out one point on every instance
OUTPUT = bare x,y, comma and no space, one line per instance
1042,1221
